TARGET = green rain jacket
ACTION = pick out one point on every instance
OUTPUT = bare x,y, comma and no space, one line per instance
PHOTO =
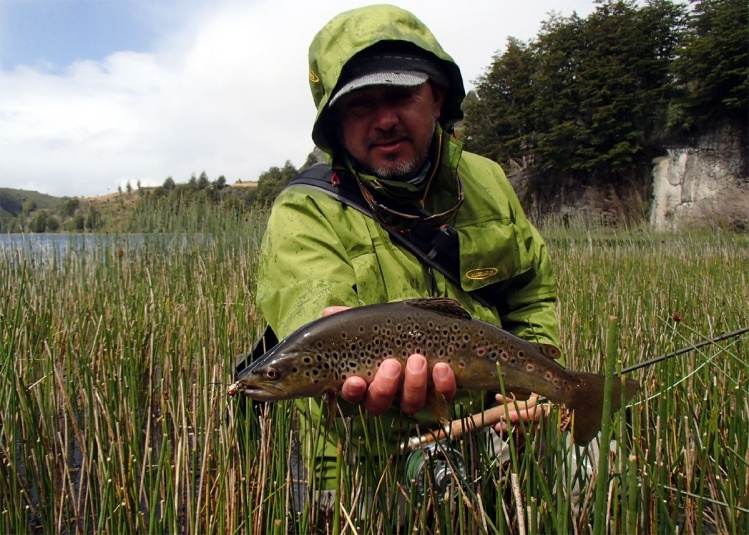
317,253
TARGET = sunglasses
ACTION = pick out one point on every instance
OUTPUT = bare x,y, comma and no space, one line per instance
404,222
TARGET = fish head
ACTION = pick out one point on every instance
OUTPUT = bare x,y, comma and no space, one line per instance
280,374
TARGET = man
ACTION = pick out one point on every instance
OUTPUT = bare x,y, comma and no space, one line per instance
387,98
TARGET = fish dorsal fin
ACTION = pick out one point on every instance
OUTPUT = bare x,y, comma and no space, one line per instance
441,305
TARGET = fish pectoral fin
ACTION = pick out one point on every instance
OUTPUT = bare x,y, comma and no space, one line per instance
331,400
519,394
437,404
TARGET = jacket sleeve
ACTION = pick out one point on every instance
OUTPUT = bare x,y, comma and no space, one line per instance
303,265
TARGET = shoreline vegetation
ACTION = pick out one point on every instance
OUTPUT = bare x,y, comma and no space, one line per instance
114,415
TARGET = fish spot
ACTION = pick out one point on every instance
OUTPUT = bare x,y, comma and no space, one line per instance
521,354
504,356
294,369
343,376
362,329
307,360
481,351
568,388
549,376
529,367
461,364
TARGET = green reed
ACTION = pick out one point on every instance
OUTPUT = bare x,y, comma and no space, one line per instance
114,361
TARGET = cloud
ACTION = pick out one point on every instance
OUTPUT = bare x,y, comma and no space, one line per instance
225,93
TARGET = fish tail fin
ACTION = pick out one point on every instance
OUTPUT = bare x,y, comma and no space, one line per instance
587,404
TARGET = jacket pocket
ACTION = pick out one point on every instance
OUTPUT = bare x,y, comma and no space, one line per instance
492,252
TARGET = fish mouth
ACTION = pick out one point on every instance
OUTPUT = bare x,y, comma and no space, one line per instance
261,394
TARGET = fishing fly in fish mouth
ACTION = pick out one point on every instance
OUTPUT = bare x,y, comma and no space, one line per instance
317,358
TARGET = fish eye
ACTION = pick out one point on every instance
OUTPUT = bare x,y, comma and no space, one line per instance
272,374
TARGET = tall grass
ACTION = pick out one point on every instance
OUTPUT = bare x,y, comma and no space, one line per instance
114,361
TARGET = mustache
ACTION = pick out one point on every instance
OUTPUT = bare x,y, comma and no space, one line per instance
389,137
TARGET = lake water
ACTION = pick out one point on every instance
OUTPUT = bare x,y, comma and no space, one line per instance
56,246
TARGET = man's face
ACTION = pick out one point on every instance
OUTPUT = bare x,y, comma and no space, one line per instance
387,129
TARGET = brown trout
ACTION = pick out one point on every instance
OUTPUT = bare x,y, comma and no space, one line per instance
317,358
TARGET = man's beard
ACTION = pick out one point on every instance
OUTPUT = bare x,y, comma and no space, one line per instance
401,171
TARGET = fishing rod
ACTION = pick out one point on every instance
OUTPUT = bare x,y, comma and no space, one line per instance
656,360
457,428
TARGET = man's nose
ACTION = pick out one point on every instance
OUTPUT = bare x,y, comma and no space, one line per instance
386,117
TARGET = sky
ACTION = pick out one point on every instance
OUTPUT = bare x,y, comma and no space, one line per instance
98,93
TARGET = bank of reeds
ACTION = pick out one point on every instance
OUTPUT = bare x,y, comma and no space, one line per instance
114,418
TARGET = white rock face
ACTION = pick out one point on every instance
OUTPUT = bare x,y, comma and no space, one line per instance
699,184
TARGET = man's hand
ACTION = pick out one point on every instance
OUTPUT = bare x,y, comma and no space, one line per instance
379,395
528,411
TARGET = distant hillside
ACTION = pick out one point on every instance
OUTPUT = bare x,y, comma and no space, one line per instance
13,202
31,211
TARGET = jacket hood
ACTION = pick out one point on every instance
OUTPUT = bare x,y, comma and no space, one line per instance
357,30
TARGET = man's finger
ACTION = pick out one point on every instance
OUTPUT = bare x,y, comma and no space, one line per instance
383,387
354,389
414,392
444,380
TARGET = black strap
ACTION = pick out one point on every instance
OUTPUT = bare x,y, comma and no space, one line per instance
436,248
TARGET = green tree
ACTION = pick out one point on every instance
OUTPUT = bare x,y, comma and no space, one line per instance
500,114
271,182
586,99
38,223
219,183
203,181
713,65
69,207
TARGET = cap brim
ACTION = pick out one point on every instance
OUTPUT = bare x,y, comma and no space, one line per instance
398,79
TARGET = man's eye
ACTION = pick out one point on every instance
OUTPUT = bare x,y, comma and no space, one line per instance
358,105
